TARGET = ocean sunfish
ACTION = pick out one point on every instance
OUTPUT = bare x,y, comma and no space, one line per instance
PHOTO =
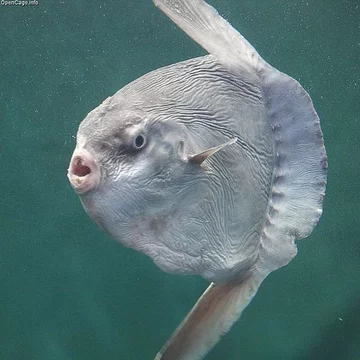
212,166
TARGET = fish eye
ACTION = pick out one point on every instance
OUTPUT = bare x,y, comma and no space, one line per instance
139,141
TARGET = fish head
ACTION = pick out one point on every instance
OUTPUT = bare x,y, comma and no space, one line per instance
129,165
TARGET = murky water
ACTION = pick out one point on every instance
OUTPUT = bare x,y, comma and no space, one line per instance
69,292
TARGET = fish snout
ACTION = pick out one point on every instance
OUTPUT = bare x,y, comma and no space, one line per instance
83,172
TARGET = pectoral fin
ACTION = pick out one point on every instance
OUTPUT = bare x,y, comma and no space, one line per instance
212,316
202,156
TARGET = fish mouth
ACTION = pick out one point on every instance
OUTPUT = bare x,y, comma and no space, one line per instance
83,172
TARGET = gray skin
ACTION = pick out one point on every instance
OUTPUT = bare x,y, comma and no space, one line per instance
212,166
191,219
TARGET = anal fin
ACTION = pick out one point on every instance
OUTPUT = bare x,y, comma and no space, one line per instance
211,317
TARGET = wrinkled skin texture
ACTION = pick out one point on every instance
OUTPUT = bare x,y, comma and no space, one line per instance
191,219
231,216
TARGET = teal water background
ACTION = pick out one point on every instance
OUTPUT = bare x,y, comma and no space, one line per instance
67,291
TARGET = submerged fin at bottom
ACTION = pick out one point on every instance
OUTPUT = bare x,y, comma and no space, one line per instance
211,317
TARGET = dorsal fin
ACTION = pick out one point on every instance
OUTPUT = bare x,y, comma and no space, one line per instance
212,32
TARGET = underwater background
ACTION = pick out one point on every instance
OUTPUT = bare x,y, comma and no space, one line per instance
67,291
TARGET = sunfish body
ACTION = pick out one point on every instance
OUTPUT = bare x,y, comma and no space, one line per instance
212,166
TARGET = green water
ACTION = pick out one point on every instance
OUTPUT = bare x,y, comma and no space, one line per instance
67,291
